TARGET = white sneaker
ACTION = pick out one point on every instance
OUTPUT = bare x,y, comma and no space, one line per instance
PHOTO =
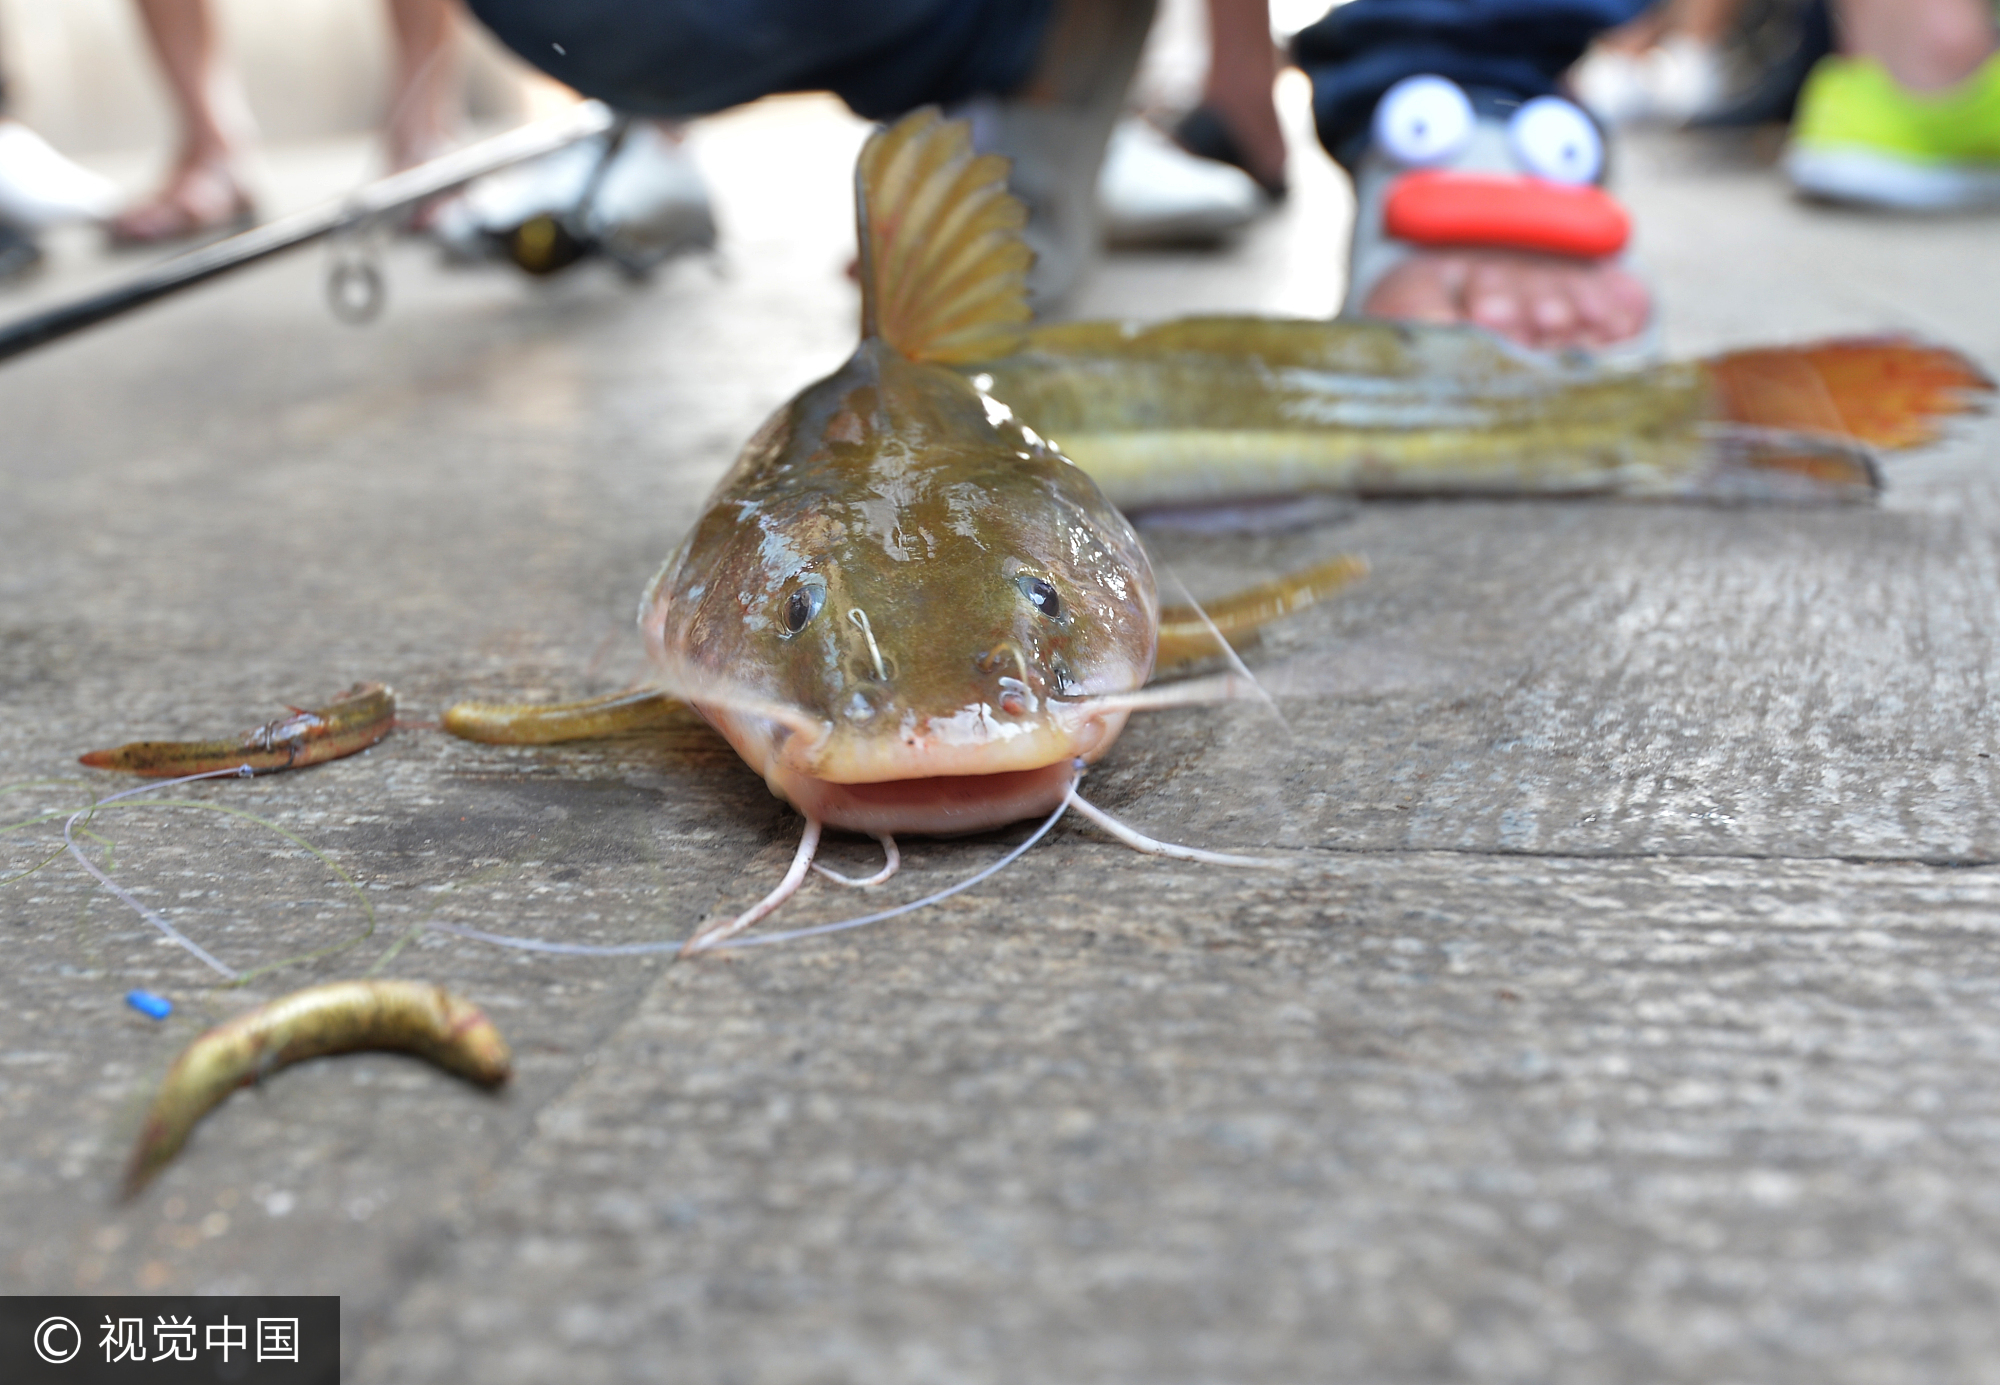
1676,80
40,188
651,203
1151,191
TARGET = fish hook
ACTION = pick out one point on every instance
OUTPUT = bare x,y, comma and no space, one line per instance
859,619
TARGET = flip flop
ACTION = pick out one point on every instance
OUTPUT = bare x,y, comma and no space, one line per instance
166,219
1202,133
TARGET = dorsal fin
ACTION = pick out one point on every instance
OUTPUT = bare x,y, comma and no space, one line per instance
943,266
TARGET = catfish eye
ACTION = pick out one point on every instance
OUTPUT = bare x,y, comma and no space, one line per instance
1041,595
802,605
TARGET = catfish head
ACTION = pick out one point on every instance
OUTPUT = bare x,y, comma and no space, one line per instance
901,603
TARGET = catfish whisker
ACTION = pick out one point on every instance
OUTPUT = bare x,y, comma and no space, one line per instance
1139,841
816,930
732,697
1229,654
1191,692
894,864
718,931
859,618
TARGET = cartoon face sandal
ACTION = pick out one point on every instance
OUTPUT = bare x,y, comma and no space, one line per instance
1441,176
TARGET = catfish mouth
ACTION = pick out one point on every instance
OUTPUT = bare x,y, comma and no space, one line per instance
939,805
929,779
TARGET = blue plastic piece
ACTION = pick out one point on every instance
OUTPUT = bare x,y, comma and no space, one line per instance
153,1007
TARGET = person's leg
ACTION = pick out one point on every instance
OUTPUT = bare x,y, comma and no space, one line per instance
205,189
1054,127
1237,120
1926,45
423,104
1505,52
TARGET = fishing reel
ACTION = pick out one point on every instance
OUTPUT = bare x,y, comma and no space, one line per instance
631,196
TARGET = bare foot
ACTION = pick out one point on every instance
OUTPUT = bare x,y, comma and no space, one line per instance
1539,301
198,197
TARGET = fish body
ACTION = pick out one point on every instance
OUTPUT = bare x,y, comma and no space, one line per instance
1225,408
898,586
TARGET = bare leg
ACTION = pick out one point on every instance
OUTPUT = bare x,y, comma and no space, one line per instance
206,189
1926,45
1705,21
423,107
1242,69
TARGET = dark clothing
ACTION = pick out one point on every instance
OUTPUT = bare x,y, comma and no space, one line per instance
885,57
1501,51
690,57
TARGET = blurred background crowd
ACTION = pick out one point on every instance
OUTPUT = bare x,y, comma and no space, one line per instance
1477,132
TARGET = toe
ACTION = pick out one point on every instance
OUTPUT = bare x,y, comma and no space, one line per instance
1631,303
1554,319
1601,320
1494,300
1423,288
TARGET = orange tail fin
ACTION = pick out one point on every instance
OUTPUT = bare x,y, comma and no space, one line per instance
1885,392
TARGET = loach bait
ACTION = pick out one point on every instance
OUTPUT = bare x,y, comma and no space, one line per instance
352,721
341,1017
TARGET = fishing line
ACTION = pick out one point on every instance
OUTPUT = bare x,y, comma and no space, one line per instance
173,934
360,896
762,939
77,825
49,816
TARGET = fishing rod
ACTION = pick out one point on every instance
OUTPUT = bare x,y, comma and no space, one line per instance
358,209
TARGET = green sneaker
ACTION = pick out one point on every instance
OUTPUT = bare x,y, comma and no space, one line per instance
1859,137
